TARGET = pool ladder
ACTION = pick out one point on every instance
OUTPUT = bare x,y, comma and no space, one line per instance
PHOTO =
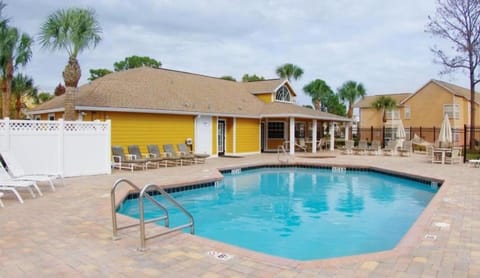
145,194
282,155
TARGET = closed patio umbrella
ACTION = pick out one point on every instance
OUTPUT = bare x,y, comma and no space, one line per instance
400,134
445,137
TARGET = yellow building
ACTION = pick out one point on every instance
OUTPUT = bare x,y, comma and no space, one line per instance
221,117
423,109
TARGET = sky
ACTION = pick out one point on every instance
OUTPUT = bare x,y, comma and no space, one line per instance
382,44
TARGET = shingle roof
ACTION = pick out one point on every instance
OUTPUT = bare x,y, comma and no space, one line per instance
367,101
281,109
264,86
169,91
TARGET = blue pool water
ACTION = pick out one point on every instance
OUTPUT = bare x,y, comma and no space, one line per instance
302,213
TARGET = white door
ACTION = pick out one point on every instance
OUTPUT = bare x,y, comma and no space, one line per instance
203,134
221,137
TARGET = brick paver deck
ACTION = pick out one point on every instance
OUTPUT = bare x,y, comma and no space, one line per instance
68,232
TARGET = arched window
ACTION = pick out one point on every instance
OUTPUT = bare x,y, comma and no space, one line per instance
283,94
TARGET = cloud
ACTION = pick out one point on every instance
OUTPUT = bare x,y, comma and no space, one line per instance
379,43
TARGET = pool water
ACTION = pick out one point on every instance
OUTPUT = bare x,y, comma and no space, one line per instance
301,213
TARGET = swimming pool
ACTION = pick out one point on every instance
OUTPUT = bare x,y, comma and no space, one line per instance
302,213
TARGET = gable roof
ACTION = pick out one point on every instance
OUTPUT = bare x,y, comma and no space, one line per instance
150,90
451,88
267,86
367,101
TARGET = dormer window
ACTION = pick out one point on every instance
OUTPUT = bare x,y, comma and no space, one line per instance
283,94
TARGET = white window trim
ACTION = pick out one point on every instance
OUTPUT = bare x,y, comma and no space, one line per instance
283,100
407,112
454,113
51,116
393,114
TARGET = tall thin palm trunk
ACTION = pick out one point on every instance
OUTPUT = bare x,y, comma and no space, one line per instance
7,90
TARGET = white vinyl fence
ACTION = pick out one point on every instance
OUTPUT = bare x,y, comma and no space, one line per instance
69,147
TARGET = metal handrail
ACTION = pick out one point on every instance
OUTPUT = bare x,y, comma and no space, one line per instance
143,237
281,150
115,226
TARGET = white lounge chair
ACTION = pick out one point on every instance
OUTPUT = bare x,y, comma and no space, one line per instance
390,148
361,148
375,148
407,148
348,148
18,173
474,162
7,184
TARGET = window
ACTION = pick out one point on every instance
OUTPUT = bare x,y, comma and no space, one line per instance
299,130
283,94
37,118
407,112
51,117
393,114
452,110
276,130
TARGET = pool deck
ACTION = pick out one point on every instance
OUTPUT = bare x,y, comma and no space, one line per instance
69,232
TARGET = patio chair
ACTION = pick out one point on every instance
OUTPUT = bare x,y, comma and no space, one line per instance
151,160
300,144
321,144
7,184
1,203
390,148
348,149
375,148
453,156
129,162
406,149
197,157
169,150
362,147
18,173
154,151
436,155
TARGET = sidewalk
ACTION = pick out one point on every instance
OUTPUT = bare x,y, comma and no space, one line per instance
69,232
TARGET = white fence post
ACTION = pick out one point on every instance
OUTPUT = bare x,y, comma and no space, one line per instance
108,142
7,134
61,145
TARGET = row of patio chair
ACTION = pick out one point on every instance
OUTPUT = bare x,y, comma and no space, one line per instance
135,159
14,178
393,147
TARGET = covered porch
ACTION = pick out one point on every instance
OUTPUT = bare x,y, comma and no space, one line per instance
304,134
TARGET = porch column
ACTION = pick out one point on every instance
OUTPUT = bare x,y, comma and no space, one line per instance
291,136
347,128
314,136
332,136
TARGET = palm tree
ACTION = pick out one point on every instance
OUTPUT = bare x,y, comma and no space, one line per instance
319,91
43,97
15,50
22,87
72,30
3,21
289,71
351,91
384,103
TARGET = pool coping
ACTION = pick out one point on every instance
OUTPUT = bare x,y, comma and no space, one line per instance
411,238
